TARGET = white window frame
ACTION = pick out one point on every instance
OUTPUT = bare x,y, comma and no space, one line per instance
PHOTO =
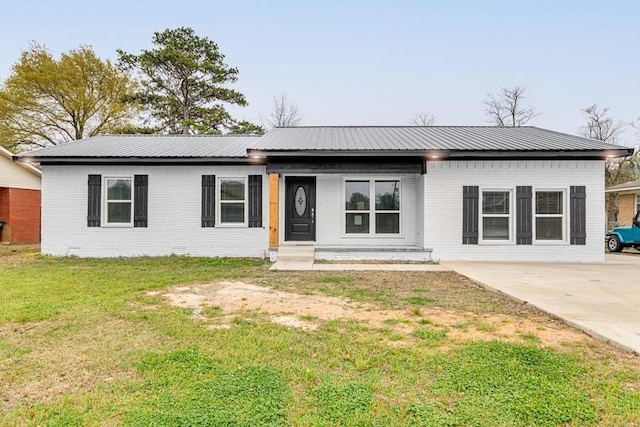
220,202
372,208
564,216
637,203
105,202
510,215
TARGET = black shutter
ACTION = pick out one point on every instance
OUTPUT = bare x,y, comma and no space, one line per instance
470,197
524,215
208,200
140,196
93,206
578,205
255,200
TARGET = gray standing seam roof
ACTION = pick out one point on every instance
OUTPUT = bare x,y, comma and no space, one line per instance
151,146
318,139
410,138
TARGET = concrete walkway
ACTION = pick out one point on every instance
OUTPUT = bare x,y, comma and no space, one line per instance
601,299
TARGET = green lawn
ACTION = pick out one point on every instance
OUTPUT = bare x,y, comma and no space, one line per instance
83,342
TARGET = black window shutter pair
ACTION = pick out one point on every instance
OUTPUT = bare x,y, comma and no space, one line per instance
524,215
208,217
140,200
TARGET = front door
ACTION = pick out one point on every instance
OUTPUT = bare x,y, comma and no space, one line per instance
300,208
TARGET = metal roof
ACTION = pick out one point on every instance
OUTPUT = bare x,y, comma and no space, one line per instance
456,141
410,138
150,146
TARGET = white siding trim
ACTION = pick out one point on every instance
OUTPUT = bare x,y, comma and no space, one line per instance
17,175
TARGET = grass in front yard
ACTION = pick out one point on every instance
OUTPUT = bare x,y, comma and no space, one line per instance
84,342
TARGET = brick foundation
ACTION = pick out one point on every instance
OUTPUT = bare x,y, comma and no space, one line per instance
20,210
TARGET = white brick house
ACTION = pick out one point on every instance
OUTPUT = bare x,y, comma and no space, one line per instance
471,193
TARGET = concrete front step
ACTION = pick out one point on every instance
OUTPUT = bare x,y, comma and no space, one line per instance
296,253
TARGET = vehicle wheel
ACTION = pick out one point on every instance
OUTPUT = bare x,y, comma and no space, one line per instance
613,244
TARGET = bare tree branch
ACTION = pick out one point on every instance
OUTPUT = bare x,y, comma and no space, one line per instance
423,119
506,109
284,113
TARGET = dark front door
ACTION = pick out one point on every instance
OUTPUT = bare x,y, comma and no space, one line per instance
300,208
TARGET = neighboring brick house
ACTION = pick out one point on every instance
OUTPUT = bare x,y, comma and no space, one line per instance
347,192
19,200
628,200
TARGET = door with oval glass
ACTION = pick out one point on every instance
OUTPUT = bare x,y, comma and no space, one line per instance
300,208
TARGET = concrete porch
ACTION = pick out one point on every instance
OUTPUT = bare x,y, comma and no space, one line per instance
302,257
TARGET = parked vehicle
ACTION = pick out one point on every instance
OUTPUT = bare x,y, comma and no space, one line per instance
625,237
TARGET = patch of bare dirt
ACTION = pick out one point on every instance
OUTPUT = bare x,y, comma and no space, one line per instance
308,311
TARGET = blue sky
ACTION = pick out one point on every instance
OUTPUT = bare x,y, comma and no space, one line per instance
374,62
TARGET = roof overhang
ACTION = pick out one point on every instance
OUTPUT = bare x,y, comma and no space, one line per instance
9,155
629,190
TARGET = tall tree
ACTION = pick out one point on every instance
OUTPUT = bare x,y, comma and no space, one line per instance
423,119
284,113
602,127
184,80
48,101
506,108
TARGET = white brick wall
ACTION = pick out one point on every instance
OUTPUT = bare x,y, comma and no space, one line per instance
173,215
433,200
443,207
330,223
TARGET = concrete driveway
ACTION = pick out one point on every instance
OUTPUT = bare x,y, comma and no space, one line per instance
601,299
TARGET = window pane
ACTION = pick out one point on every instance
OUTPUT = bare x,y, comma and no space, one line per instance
118,189
388,195
549,202
549,228
358,223
495,228
232,212
495,202
118,212
388,223
357,195
231,190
